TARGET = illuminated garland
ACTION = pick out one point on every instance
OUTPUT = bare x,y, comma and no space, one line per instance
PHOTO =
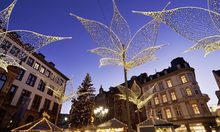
116,41
135,96
194,23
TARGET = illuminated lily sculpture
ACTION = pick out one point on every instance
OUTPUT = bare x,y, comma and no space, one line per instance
134,96
28,41
199,25
59,91
117,47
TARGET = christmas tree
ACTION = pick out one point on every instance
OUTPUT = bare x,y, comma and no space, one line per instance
82,108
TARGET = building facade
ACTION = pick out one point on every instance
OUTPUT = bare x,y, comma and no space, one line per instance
216,74
28,93
177,98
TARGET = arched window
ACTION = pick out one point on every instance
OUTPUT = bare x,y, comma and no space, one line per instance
188,92
3,79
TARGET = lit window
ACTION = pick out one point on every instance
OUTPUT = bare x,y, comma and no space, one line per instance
36,65
169,83
173,95
183,79
168,113
164,97
195,109
156,100
188,92
42,69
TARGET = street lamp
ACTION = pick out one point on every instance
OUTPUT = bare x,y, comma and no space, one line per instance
100,112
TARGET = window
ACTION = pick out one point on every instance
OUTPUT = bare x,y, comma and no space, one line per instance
36,102
50,92
47,104
168,113
36,65
41,86
14,51
204,108
159,114
195,109
3,79
5,45
42,69
161,86
178,111
30,61
188,92
164,97
183,79
55,108
31,80
47,73
173,95
169,84
11,93
24,97
156,100
20,75
190,76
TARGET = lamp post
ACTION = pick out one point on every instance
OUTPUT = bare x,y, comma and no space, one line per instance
100,112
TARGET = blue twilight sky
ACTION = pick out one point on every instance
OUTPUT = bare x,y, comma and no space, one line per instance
72,57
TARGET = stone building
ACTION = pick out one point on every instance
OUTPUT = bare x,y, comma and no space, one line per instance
217,78
177,98
25,94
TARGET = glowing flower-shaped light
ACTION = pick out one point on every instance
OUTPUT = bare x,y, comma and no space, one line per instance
117,47
28,41
6,60
135,96
194,23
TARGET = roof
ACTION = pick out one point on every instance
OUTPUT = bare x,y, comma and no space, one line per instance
113,123
156,122
38,125
217,72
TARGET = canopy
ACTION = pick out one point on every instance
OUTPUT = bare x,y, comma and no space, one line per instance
42,124
157,123
113,123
